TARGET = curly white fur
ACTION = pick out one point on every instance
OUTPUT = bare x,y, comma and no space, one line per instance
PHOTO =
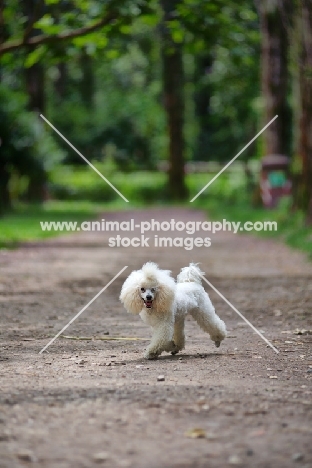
163,304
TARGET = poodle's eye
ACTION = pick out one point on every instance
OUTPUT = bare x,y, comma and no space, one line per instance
142,289
153,289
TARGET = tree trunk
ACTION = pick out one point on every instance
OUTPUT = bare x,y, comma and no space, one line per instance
34,77
173,88
5,201
202,99
87,83
35,87
305,189
37,191
274,74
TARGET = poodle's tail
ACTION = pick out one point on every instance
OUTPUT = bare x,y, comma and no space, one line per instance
190,274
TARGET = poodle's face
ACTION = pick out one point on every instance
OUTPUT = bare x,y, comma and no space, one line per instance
148,296
148,288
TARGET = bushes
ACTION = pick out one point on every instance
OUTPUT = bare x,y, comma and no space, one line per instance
26,150
82,183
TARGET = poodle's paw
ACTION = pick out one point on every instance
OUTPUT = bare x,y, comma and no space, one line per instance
150,355
175,349
171,348
218,338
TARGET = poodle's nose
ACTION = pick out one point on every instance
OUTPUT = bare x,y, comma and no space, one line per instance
149,297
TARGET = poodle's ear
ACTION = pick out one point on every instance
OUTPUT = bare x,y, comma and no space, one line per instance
165,296
130,295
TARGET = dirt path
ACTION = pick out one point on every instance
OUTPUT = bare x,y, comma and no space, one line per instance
88,403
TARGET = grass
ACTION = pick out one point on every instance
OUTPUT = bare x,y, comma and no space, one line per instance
226,198
23,223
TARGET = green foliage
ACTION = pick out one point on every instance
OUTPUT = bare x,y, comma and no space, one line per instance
56,20
126,93
124,110
227,90
107,99
234,113
82,183
23,141
26,149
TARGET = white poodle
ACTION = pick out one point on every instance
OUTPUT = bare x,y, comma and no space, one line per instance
163,304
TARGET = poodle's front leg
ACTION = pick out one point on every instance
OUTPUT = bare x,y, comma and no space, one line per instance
162,340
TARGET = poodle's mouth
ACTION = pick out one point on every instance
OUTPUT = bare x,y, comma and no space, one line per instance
148,304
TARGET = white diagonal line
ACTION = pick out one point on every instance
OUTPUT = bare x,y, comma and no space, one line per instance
84,158
241,315
232,160
82,310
